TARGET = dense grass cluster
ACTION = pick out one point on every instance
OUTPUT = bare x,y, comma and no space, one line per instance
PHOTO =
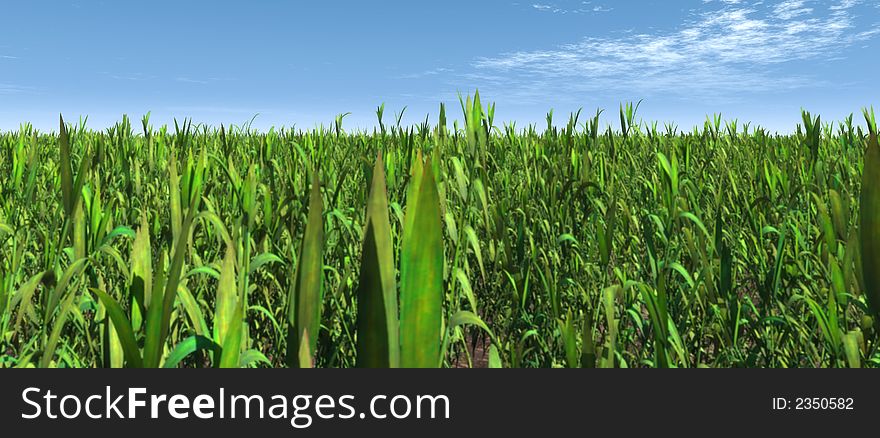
570,246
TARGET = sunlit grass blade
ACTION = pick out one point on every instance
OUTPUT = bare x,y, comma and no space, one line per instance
377,330
153,342
494,357
227,298
305,355
172,280
65,168
141,274
114,353
231,352
851,347
421,282
307,296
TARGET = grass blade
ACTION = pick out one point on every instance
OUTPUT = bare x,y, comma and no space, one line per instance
227,297
421,280
65,169
229,357
141,274
305,302
305,355
123,329
377,330
869,224
189,346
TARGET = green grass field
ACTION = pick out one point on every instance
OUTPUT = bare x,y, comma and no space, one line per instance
570,245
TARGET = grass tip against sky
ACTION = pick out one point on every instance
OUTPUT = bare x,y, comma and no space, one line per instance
305,62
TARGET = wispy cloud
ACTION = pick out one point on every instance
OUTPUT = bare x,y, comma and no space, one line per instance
427,73
726,49
583,7
190,80
128,76
791,8
8,57
139,76
215,109
13,89
200,81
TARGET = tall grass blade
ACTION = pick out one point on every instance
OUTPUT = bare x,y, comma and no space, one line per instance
305,302
869,224
377,329
227,298
421,282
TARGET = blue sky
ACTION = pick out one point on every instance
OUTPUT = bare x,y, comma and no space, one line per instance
304,62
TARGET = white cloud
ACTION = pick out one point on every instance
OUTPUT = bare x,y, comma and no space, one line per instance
846,4
734,48
791,9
